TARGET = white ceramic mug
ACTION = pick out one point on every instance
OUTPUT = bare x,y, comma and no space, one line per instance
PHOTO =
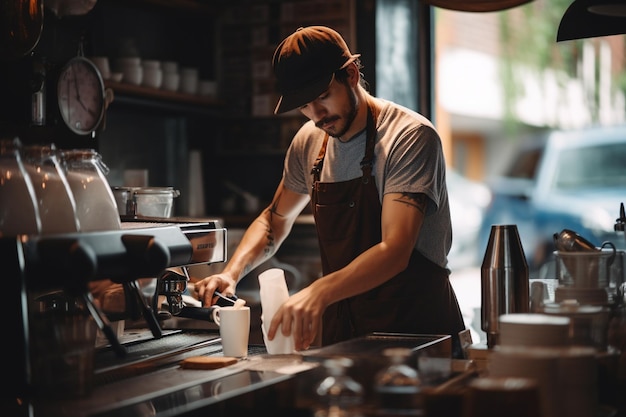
234,323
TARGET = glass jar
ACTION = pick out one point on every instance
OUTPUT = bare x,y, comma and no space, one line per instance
96,208
338,393
19,213
55,200
398,385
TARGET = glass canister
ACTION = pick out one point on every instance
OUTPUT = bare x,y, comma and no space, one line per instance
63,346
338,393
19,213
55,200
398,385
96,208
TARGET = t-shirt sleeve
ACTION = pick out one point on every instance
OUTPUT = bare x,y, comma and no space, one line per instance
416,165
298,165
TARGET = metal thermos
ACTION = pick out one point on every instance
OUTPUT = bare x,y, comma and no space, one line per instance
504,279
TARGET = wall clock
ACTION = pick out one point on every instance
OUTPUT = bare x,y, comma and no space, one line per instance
81,96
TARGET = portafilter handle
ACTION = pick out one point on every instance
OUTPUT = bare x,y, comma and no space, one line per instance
171,285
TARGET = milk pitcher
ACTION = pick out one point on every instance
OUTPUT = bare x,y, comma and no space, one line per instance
504,279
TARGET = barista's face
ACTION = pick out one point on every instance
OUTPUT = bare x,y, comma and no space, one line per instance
334,110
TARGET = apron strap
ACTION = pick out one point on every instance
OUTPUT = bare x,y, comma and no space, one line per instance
319,162
368,158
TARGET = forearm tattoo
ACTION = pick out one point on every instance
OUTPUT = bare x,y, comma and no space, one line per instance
266,220
417,200
270,248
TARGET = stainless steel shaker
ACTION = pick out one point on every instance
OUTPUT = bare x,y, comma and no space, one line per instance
504,279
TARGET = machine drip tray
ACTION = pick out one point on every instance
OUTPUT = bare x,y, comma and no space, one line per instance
145,354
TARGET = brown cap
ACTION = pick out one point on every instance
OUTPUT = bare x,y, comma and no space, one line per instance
304,64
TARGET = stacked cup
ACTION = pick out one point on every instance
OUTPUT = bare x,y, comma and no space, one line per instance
537,347
102,62
189,79
152,73
131,69
171,77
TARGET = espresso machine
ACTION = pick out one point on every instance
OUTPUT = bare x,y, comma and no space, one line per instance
55,271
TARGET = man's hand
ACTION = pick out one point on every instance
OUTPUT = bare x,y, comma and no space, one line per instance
206,287
301,316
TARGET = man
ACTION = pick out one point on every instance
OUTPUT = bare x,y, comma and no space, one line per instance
374,173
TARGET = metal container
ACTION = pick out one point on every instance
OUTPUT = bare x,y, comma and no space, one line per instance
145,201
504,279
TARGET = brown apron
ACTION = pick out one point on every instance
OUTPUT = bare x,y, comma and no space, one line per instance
419,300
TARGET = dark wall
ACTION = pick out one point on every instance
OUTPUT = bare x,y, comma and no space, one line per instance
151,134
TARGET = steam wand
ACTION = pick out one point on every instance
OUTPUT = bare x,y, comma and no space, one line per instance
103,324
148,315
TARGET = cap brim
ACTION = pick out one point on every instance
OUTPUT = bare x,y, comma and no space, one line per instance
295,99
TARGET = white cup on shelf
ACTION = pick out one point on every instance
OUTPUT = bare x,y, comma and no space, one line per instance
207,88
127,62
151,63
169,66
102,62
171,81
189,80
132,75
152,77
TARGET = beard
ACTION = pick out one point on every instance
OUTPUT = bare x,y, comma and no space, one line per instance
347,116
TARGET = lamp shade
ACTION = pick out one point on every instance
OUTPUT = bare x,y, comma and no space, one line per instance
592,18
476,5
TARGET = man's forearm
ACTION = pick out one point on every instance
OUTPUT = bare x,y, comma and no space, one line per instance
259,243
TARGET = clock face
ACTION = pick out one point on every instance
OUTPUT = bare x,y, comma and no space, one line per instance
80,94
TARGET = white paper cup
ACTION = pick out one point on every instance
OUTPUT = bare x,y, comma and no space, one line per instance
234,326
274,292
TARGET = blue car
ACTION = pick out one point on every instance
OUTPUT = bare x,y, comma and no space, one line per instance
564,180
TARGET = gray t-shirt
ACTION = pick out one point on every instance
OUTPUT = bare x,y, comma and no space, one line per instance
408,157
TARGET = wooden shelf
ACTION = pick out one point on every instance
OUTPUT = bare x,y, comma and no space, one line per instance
156,98
154,93
196,6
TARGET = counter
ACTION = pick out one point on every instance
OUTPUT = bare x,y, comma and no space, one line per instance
150,381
